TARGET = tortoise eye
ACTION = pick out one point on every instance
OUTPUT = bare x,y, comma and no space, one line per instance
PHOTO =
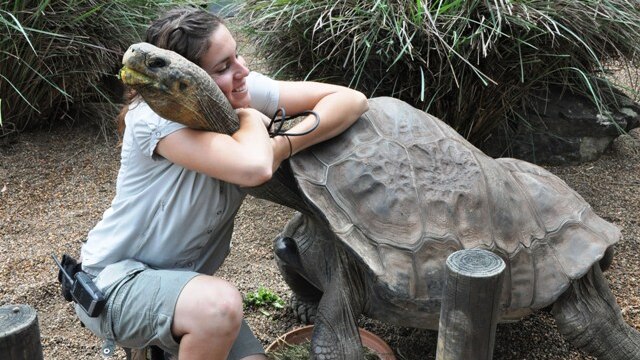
183,86
155,63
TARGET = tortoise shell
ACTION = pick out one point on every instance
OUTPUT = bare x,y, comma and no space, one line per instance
402,190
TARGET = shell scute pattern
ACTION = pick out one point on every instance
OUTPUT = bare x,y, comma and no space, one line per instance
374,185
519,275
549,278
361,133
553,201
428,264
404,124
403,191
450,187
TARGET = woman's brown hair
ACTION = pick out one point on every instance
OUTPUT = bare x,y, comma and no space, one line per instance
184,30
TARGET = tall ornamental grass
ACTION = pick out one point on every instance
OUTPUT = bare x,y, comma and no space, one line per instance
472,63
57,57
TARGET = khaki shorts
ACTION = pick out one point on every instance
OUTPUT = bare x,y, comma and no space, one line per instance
140,305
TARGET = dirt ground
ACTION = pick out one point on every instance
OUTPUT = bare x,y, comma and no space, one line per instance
54,186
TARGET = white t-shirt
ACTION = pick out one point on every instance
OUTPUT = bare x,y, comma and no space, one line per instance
164,215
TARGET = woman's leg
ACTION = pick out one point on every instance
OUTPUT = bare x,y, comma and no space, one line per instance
207,318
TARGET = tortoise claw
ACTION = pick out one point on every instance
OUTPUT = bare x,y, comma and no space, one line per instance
304,310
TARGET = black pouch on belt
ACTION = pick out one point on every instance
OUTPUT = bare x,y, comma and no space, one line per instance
78,286
71,266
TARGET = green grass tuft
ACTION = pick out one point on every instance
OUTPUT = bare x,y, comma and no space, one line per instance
263,298
475,64
58,59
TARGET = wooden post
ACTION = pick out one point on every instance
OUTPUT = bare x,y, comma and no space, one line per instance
470,305
19,333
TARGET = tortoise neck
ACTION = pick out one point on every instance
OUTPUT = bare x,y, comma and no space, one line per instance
281,189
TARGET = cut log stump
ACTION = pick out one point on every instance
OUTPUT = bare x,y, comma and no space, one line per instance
19,333
470,305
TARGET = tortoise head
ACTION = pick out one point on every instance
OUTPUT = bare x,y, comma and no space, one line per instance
177,89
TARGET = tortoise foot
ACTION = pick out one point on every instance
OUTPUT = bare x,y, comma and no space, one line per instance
304,310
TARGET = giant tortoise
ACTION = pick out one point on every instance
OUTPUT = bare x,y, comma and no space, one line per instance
381,206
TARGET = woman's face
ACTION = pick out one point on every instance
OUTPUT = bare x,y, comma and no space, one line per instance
226,68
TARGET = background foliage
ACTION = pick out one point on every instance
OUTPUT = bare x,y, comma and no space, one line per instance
58,58
472,63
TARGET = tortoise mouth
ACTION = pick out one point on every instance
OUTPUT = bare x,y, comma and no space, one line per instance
134,78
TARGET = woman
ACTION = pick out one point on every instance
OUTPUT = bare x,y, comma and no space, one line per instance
168,229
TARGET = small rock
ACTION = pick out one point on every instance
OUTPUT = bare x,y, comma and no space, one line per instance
627,145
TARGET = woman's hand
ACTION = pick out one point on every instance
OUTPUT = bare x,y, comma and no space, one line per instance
250,112
338,108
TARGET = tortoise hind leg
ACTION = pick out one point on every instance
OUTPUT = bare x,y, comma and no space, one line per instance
306,297
589,317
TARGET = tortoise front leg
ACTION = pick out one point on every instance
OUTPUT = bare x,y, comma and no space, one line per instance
589,317
306,296
335,335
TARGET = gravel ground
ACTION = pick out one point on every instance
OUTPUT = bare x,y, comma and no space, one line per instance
55,185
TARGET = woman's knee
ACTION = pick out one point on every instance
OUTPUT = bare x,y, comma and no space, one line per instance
208,305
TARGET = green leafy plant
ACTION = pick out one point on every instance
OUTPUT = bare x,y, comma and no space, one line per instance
473,63
263,298
59,58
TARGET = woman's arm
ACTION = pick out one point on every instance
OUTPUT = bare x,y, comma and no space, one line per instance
338,107
244,158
